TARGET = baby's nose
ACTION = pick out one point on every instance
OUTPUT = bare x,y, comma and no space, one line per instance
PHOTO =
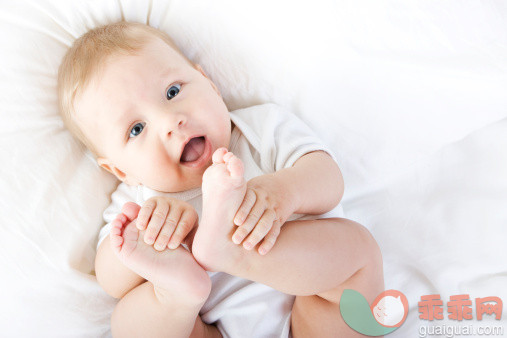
176,124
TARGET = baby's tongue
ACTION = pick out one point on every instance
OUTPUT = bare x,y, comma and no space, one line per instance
193,150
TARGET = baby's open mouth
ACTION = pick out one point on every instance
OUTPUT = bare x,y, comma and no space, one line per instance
193,149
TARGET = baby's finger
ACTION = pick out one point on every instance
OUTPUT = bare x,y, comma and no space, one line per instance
168,228
145,213
246,206
185,225
270,239
250,222
157,219
261,229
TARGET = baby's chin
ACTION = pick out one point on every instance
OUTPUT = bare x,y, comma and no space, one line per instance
182,185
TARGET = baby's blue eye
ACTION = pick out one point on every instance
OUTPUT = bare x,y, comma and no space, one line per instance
137,129
173,91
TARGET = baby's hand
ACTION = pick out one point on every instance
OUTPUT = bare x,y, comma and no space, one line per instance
261,211
169,219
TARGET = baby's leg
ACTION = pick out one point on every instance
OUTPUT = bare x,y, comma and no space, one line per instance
149,312
169,302
345,257
114,277
313,259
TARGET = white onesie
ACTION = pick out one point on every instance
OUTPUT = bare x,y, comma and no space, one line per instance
267,139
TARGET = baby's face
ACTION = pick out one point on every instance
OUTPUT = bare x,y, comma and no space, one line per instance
155,118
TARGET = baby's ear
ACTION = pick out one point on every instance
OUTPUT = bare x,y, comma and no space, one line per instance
199,68
104,163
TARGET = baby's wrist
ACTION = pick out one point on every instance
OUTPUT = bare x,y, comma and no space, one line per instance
288,198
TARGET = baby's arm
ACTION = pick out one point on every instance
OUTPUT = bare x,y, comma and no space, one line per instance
314,182
313,185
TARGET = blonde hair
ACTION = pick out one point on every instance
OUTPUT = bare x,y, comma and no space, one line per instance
88,53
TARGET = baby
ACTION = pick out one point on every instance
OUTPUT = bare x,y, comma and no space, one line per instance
155,120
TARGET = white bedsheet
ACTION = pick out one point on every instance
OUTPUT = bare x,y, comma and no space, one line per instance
411,96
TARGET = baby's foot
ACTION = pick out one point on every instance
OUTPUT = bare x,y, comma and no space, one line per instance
172,270
223,190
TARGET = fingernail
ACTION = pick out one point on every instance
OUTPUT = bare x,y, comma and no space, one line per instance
248,245
172,246
262,251
236,239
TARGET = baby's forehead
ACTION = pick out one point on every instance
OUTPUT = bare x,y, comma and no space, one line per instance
88,103
128,70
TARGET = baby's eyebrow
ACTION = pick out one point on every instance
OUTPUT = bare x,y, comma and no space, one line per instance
122,117
118,128
168,73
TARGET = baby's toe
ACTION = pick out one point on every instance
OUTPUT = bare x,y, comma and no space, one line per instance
131,210
116,241
116,232
121,218
218,155
228,156
117,224
235,167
